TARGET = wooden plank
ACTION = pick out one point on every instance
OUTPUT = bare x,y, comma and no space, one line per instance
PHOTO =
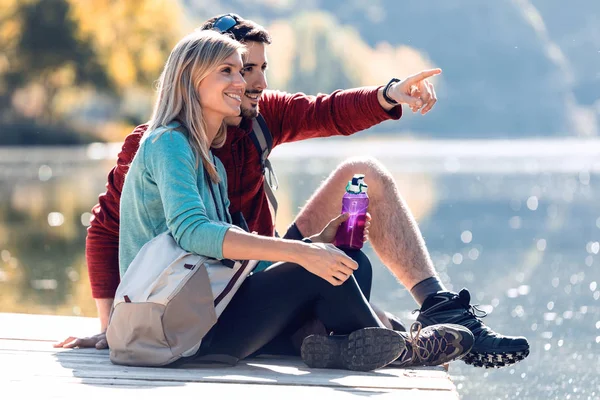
105,389
30,362
284,371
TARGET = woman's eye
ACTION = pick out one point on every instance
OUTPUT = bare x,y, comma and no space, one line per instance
227,70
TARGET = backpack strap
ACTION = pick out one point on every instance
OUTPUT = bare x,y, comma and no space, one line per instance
263,141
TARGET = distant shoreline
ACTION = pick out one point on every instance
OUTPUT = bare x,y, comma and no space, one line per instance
526,155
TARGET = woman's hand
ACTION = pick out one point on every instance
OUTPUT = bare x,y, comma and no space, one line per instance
327,262
98,341
327,235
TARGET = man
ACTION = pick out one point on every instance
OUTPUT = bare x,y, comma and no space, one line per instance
394,234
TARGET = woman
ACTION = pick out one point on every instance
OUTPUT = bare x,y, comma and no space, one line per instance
176,184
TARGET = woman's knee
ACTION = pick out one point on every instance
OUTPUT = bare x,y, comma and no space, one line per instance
364,273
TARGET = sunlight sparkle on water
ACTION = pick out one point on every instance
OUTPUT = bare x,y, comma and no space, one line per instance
524,290
534,327
532,203
55,219
457,258
549,316
473,254
44,173
593,247
86,218
541,244
44,284
466,236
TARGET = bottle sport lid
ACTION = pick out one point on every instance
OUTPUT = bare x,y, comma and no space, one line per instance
357,184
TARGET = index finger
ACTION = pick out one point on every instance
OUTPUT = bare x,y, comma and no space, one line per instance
428,73
61,344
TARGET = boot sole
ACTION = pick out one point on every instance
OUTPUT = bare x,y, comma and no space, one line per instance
366,349
495,360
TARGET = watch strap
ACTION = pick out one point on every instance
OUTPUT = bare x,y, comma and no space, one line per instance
387,98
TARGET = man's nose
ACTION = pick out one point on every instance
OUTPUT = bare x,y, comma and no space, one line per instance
261,83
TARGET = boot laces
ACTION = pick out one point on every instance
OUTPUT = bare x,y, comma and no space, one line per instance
471,318
423,348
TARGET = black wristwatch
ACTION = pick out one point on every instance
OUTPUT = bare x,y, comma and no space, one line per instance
387,98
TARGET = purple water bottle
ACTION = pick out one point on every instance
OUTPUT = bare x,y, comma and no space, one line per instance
355,201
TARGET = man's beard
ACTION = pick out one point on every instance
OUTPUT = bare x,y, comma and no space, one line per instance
249,113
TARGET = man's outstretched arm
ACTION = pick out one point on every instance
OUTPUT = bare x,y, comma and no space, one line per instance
293,117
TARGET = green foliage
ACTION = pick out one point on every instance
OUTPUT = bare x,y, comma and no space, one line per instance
49,41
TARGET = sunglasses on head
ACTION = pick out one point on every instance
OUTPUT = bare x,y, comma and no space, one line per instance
225,23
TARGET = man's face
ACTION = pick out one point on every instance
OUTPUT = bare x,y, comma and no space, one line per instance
254,73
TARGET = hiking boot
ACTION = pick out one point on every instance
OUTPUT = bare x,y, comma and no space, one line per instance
365,349
491,350
396,322
434,345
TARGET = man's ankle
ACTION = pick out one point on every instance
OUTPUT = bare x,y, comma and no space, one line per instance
427,287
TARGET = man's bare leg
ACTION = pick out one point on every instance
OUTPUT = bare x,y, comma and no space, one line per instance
398,242
394,233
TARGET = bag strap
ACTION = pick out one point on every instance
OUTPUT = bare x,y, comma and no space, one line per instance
263,141
225,261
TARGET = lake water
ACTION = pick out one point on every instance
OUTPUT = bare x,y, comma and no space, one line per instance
518,223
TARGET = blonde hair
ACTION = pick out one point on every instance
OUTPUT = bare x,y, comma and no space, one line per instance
192,59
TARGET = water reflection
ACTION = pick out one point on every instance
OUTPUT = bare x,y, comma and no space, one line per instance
524,240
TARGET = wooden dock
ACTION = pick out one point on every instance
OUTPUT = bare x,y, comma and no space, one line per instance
31,366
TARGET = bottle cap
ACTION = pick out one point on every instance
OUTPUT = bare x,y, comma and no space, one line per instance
357,184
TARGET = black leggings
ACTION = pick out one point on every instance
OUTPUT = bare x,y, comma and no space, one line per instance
282,299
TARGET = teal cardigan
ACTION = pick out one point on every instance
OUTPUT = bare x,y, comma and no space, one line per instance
165,190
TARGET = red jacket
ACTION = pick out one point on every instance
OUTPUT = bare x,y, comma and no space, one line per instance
289,118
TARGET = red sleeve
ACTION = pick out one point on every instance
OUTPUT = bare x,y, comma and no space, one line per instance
293,117
102,241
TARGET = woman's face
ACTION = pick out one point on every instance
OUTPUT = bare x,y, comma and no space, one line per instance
221,91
